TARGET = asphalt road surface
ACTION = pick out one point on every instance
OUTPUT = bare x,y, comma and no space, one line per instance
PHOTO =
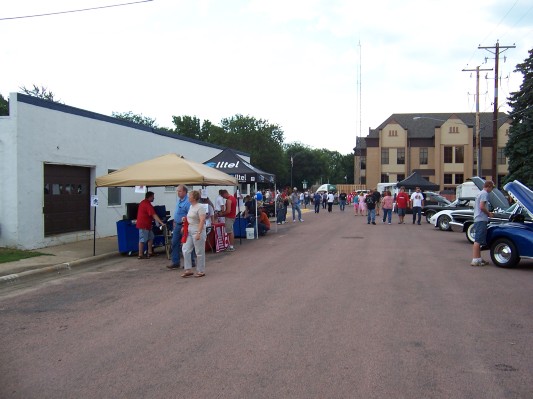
328,308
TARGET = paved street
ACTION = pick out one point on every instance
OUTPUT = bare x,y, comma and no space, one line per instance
328,308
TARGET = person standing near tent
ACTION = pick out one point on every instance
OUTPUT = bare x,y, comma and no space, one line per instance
182,208
196,236
220,206
229,214
145,215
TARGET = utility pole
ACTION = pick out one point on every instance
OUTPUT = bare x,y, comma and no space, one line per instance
496,53
479,170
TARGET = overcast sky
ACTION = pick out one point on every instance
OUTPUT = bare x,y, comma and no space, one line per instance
295,63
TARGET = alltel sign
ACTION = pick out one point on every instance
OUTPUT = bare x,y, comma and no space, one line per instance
223,165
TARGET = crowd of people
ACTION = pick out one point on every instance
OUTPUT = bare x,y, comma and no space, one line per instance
194,213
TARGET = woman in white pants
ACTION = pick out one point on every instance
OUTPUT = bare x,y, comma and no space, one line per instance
196,236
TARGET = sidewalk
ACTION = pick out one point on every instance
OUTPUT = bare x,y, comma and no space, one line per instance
65,256
59,257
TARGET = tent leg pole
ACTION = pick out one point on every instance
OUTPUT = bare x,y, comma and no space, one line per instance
94,226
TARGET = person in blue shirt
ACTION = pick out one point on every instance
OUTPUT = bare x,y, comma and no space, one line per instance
317,199
182,208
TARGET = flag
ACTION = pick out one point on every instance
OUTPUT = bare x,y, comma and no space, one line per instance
292,164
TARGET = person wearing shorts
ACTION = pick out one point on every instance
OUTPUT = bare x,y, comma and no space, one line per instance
145,215
481,221
402,201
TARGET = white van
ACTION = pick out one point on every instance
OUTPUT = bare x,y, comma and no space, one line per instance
466,190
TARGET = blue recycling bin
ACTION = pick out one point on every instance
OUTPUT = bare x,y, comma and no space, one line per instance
239,227
128,237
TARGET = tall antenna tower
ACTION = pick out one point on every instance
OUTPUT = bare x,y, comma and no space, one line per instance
359,133
359,89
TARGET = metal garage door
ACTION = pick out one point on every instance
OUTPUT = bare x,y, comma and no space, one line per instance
66,199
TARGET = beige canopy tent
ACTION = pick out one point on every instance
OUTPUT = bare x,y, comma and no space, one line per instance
166,170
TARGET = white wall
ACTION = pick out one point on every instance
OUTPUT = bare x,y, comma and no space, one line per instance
34,135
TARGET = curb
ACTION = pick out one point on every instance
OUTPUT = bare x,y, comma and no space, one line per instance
17,277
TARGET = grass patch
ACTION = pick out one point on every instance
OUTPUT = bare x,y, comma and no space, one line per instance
11,255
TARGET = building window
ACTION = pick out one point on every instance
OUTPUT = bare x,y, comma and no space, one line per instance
400,156
454,129
393,133
384,156
114,194
384,178
423,156
459,178
448,178
363,162
448,155
400,177
459,154
501,156
363,179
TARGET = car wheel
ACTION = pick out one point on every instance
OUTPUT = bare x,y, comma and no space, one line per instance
429,215
503,253
469,232
444,223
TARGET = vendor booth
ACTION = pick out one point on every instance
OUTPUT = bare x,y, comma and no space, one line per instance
166,170
228,161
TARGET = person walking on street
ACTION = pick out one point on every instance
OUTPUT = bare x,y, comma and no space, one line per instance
481,220
377,200
180,213
417,201
331,199
402,202
295,201
196,236
386,206
342,201
145,214
370,202
317,199
362,204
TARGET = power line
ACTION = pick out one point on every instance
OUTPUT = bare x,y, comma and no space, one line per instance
72,11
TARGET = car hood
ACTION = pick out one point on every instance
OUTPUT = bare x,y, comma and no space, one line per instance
521,194
496,197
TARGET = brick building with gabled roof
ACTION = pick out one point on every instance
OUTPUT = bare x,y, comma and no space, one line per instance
439,146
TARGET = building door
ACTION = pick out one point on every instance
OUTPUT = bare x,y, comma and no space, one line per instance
66,199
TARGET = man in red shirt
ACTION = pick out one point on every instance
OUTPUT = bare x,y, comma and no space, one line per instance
229,214
402,200
145,215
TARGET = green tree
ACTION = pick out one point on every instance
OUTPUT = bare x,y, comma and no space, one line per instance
4,106
519,148
187,126
40,92
135,118
258,137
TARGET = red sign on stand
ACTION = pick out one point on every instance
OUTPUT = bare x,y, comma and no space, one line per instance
221,237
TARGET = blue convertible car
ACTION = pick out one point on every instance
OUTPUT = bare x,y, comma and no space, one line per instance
509,242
